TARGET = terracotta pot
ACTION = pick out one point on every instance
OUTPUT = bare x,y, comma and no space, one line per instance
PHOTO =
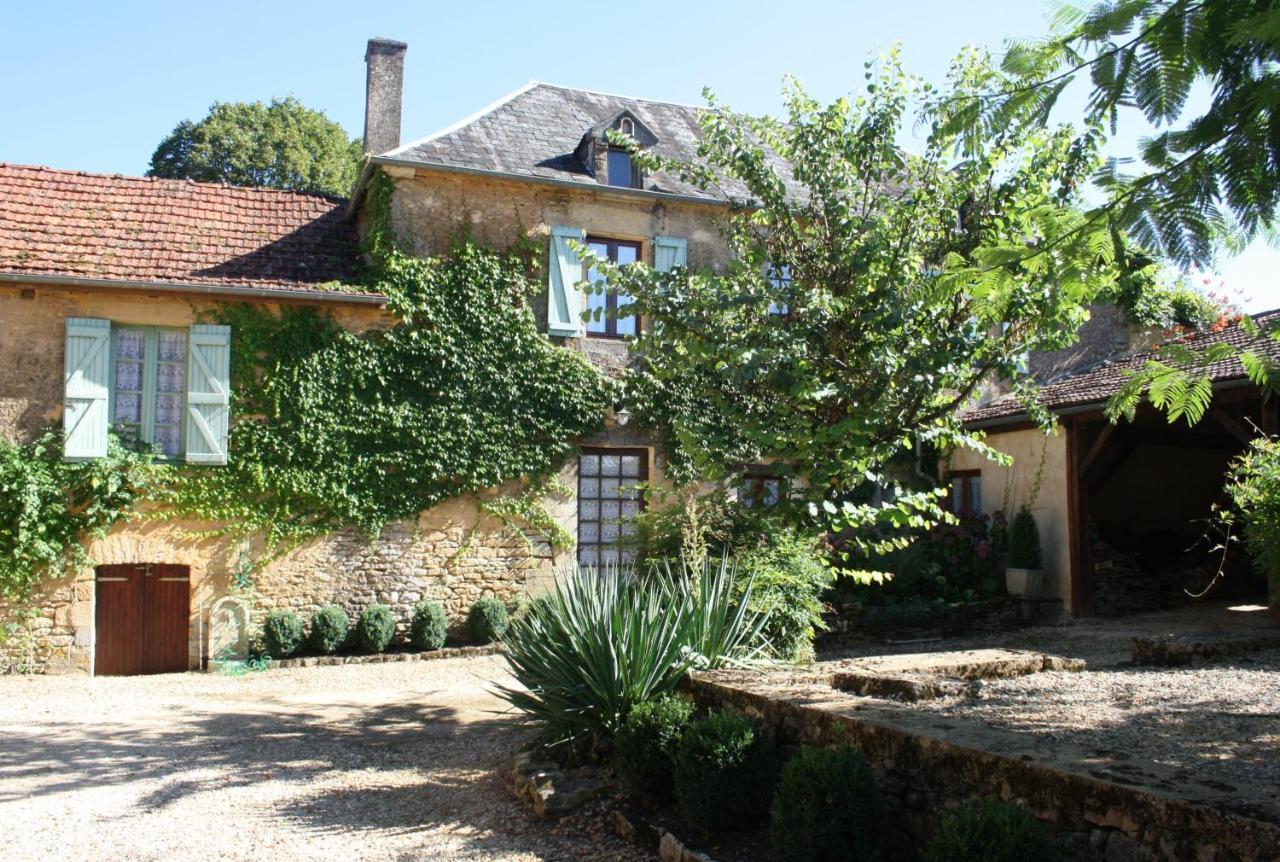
1028,583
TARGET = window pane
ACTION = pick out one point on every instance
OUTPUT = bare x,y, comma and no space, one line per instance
173,346
589,532
588,555
130,343
589,510
609,489
631,466
975,493
169,439
168,409
957,494
589,488
627,254
589,465
610,465
619,168
609,510
128,376
128,408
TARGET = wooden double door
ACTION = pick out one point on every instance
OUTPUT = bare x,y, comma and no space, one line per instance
142,619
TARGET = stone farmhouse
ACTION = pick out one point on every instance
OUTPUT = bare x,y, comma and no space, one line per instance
104,277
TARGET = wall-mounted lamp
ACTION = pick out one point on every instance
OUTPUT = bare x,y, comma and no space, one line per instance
621,415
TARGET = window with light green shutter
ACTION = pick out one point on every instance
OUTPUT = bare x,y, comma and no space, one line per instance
148,386
564,316
670,252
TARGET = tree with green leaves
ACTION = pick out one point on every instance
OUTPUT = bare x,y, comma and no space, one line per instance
871,291
1202,182
281,145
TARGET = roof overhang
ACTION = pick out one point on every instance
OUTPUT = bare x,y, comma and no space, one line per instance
1022,419
278,294
594,188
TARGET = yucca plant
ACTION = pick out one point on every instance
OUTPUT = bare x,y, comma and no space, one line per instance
604,640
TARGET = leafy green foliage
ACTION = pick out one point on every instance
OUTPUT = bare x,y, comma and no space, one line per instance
487,620
330,630
827,808
1024,540
1253,484
645,746
339,429
724,772
281,145
602,642
427,626
1201,175
374,628
789,577
282,633
897,304
988,830
48,506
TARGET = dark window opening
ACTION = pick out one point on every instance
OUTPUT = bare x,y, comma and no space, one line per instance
621,170
603,307
965,496
609,498
761,489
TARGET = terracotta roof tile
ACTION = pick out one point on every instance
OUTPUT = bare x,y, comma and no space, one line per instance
1094,386
106,226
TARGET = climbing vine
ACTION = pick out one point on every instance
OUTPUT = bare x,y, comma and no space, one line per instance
334,429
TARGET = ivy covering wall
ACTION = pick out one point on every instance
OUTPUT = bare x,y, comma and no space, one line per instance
334,429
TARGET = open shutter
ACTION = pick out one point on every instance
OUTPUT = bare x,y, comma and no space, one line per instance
563,316
670,252
85,388
208,394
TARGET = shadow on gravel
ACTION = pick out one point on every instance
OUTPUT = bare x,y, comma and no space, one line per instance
454,758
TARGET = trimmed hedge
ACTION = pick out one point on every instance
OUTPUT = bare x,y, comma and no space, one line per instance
724,772
487,620
330,628
645,746
988,830
827,808
427,626
282,633
375,628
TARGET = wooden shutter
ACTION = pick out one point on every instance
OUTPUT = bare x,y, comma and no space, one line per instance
670,252
86,387
208,393
563,315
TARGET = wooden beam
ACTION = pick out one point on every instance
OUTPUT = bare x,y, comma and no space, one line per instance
1096,448
1078,551
1226,420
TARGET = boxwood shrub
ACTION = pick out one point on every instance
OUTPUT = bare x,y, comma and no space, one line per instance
827,808
282,633
645,746
724,772
427,626
375,628
988,830
330,628
487,620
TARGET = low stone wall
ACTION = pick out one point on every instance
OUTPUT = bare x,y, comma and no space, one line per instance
1101,807
856,623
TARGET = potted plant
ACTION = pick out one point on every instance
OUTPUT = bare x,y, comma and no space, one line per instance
1253,484
1024,575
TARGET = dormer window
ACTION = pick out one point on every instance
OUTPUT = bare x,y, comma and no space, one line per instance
622,171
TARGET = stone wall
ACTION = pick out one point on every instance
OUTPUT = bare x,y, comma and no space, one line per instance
1102,806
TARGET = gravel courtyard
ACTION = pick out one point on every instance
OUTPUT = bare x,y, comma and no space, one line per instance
390,762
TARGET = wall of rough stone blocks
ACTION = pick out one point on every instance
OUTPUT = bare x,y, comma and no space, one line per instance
453,554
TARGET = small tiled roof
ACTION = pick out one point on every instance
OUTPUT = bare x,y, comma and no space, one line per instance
1095,385
71,224
535,132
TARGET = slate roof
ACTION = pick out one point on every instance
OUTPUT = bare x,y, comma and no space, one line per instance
535,131
71,224
1093,386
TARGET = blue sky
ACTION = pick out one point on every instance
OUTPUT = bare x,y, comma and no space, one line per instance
95,86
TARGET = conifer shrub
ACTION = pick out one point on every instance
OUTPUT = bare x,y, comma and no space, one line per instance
645,746
375,628
487,620
724,772
427,626
1024,541
988,830
827,808
282,633
330,628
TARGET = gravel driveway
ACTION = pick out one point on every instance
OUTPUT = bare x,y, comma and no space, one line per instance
386,761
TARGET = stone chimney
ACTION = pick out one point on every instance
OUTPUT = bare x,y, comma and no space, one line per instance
383,93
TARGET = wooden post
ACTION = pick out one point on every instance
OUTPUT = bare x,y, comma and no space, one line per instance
1078,535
